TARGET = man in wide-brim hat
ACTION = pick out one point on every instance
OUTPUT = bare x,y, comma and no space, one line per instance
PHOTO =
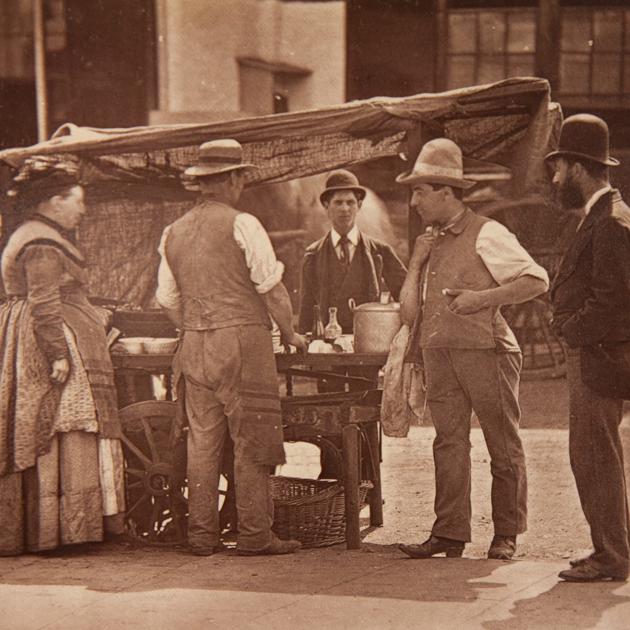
462,270
591,303
219,281
218,156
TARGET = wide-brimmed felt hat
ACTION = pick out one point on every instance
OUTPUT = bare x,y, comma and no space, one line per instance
218,156
439,162
342,180
584,136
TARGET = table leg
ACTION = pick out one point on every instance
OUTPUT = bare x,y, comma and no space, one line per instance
350,441
168,383
288,379
375,495
130,387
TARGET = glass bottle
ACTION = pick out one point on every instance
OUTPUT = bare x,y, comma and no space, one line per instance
317,331
333,329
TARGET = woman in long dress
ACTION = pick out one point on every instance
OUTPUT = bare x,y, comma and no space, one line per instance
61,464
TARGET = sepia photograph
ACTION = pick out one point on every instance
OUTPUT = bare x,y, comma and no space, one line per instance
314,314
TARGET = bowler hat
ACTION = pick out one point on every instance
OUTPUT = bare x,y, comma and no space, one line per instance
440,162
218,156
342,180
584,136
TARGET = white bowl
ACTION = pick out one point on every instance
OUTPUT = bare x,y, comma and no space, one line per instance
131,345
159,345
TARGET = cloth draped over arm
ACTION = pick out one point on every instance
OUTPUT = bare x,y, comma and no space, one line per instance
403,389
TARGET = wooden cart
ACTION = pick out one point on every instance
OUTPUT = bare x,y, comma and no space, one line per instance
156,469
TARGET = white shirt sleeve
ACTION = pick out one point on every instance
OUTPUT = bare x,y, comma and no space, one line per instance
167,293
265,270
505,258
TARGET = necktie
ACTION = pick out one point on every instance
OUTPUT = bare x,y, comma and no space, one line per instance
344,248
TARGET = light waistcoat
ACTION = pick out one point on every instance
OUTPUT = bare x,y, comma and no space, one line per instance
455,264
211,271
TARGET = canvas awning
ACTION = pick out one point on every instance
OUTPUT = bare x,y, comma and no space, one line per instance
488,122
137,172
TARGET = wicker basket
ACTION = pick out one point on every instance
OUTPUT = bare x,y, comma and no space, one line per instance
311,510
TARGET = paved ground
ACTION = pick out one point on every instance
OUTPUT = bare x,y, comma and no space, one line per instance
114,586
332,588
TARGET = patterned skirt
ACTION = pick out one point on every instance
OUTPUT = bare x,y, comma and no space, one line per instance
75,489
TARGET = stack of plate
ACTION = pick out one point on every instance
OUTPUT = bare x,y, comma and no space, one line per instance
146,345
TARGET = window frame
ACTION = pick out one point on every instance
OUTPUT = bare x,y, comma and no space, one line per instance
505,55
623,53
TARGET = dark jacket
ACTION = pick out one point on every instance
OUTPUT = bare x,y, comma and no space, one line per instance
385,272
591,296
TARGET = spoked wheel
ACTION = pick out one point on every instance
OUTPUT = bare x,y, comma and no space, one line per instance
543,351
155,473
155,476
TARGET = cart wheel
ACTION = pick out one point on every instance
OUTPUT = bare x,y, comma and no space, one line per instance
155,473
543,351
155,476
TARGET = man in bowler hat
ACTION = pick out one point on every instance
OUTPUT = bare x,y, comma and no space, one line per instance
346,263
591,303
461,272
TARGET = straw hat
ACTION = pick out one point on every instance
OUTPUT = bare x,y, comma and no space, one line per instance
342,180
584,136
218,156
440,162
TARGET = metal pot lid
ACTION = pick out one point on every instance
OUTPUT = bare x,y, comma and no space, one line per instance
377,307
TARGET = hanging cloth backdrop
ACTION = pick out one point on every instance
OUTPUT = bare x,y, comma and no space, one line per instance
134,175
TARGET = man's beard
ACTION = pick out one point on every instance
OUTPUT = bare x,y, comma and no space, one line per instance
570,196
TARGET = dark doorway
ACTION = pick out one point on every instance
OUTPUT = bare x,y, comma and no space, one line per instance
18,115
100,65
111,62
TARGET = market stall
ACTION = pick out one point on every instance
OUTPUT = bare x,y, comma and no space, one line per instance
135,189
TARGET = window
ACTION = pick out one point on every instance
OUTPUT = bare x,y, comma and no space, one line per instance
266,87
595,51
16,35
17,69
487,46
280,103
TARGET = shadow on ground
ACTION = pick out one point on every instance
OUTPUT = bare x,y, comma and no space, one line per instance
576,606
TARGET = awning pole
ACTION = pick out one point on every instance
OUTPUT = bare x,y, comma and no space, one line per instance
41,96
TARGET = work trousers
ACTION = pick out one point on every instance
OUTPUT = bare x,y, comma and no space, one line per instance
208,398
460,381
596,456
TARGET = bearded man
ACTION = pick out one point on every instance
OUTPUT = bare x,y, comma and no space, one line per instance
591,301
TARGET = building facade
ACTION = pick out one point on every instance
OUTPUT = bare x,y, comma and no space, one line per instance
399,47
249,56
122,63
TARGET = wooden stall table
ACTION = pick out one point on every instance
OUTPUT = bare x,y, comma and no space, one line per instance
352,415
